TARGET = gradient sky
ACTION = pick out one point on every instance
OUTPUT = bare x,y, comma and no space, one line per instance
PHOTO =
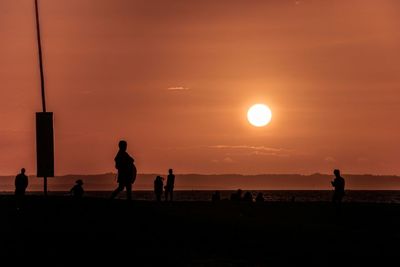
175,79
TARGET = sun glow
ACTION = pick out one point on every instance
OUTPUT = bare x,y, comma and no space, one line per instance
259,115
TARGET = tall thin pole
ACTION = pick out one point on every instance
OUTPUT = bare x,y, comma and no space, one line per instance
40,55
41,75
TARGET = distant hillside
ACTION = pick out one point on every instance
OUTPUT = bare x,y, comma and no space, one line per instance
220,181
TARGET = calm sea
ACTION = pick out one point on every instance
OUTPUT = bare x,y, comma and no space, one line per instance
274,196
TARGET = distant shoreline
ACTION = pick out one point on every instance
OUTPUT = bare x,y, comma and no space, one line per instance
107,181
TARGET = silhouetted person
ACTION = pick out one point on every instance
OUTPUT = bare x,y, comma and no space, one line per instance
248,197
169,187
237,196
216,196
260,197
77,190
124,163
158,187
338,183
21,183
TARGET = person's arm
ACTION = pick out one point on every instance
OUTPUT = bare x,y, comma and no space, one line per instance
134,173
116,163
117,160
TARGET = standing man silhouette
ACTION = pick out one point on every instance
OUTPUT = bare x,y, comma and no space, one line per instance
124,163
169,188
338,183
21,183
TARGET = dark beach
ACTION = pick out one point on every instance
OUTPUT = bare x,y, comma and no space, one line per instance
59,231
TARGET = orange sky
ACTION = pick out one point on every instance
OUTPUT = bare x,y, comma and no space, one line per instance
329,70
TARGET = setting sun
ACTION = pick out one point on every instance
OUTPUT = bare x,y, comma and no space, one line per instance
259,115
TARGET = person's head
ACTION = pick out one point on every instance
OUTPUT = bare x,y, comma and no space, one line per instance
79,182
336,172
170,171
23,170
122,145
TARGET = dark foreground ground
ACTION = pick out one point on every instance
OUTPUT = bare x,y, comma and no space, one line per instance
61,232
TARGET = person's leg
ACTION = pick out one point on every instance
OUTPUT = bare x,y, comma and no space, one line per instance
129,191
116,191
171,194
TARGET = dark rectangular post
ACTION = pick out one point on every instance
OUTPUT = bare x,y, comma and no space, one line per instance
44,146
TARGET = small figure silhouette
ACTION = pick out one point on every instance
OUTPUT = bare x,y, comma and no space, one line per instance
158,187
77,190
169,188
338,183
248,197
237,196
216,196
21,183
124,163
260,197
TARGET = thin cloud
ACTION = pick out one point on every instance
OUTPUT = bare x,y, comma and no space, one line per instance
330,159
254,150
240,150
178,88
228,160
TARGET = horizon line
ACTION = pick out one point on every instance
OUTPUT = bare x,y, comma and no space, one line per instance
209,174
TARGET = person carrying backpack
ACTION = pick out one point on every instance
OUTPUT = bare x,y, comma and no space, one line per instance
127,172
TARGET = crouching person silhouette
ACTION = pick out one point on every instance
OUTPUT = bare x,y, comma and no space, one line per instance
124,163
77,190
